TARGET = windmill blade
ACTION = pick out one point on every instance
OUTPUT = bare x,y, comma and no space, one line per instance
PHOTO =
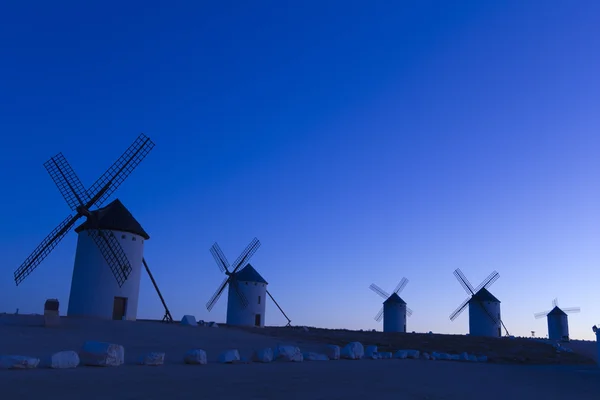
487,282
555,302
571,310
44,249
67,181
540,314
379,291
119,171
113,253
409,312
462,279
280,309
215,297
219,257
241,296
248,252
459,310
379,315
400,287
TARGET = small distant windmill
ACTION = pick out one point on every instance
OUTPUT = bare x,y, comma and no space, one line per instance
105,247
484,308
394,310
247,288
558,322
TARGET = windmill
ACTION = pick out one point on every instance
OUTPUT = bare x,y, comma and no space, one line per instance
484,307
394,310
558,322
247,288
111,251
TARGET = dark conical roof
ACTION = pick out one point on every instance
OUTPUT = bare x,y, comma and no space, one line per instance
556,311
114,217
484,295
249,274
394,298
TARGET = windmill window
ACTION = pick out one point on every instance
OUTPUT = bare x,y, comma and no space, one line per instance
122,236
258,299
133,238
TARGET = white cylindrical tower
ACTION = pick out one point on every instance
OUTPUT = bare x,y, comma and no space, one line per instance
94,289
558,324
394,314
481,306
254,288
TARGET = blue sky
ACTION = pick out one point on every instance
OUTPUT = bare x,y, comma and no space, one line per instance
359,141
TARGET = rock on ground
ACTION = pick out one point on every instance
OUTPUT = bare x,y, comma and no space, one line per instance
195,356
229,356
153,359
287,353
332,351
353,351
371,352
102,354
263,355
64,359
18,362
189,320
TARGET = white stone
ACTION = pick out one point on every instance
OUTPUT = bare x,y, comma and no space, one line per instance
18,362
332,351
195,356
441,356
371,352
213,324
189,320
263,355
353,351
64,359
229,356
153,359
473,358
287,353
426,356
401,354
482,359
414,354
102,354
454,357
464,357
310,356
384,355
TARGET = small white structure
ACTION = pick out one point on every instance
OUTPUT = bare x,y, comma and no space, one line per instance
394,310
254,288
558,321
94,290
484,307
484,315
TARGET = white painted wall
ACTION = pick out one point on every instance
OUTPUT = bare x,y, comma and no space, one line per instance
394,317
558,326
236,315
94,287
480,324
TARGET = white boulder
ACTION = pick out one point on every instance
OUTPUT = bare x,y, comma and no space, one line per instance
287,353
213,324
332,352
472,358
229,356
189,320
414,354
482,358
426,356
371,352
263,355
64,359
311,356
353,351
401,354
464,356
101,354
153,359
18,362
440,356
454,357
195,356
384,355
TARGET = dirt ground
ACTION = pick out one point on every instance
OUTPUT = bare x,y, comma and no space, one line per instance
381,379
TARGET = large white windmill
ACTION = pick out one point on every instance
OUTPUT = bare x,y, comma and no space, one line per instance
394,310
110,245
246,299
484,307
558,322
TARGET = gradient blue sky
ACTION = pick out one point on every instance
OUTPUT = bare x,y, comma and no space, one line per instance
359,141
